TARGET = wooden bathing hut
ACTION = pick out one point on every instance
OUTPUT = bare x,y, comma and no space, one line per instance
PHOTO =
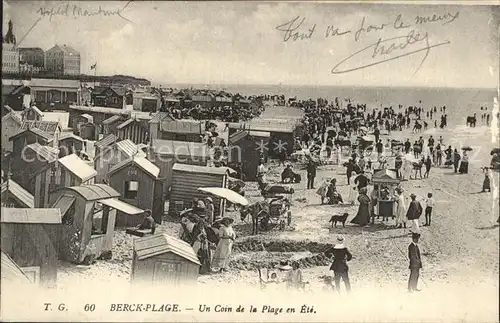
385,178
88,218
68,171
186,179
137,181
282,133
31,238
246,148
162,259
113,154
181,130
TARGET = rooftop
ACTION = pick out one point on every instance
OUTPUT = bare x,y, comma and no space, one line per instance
141,162
78,167
201,169
70,84
158,244
93,192
19,193
31,216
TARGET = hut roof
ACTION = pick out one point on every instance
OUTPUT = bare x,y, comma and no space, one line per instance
49,127
128,147
158,244
265,126
141,162
78,167
31,216
75,84
106,141
68,135
93,192
104,110
88,117
160,116
50,154
112,119
63,203
35,131
173,147
14,117
11,271
19,192
184,126
127,122
201,169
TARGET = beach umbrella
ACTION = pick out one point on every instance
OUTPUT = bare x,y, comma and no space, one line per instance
225,193
467,148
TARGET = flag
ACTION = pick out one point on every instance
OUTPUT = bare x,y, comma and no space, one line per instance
93,66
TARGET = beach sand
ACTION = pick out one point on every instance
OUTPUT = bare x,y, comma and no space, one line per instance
460,275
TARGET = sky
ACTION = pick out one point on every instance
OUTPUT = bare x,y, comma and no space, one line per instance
239,43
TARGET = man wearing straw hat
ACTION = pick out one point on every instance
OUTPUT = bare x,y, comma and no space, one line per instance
339,266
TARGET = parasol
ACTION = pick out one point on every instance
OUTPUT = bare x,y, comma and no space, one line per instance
467,148
225,193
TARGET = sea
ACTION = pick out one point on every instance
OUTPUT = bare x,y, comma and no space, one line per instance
459,102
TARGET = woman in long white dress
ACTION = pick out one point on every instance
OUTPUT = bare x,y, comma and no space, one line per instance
224,247
353,194
401,209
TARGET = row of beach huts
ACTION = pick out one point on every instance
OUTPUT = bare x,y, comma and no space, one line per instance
70,179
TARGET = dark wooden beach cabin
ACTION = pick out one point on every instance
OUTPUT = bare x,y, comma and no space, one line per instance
67,171
162,259
186,179
69,143
154,123
88,221
51,129
11,125
112,155
182,130
246,148
136,179
282,133
25,164
388,178
31,238
79,120
134,130
88,131
109,96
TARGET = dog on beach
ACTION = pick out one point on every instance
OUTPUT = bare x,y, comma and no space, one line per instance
339,218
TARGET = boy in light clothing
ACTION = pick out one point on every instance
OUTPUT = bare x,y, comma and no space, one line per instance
429,205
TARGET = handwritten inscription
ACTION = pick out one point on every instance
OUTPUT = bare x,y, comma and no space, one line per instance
292,30
384,49
73,10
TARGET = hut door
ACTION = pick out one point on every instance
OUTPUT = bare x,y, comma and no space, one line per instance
167,272
158,202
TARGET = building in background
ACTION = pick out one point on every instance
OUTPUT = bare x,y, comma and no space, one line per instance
62,60
34,56
10,52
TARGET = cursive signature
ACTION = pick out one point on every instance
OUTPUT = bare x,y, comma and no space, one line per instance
398,46
73,10
290,30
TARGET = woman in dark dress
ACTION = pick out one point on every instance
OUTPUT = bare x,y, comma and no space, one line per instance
362,218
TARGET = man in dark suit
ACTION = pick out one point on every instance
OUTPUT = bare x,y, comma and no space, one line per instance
311,174
339,266
415,263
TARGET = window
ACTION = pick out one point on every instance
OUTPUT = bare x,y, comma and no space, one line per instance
131,189
69,215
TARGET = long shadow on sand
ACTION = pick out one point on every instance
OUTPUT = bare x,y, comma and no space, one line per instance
488,228
355,229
